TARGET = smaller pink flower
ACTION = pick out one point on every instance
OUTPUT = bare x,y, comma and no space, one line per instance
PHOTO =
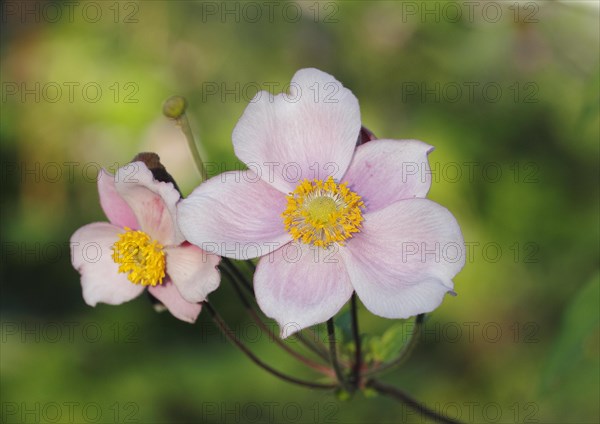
141,247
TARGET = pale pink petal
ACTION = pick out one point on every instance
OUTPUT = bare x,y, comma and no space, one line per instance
153,202
306,134
403,261
384,171
301,285
115,208
193,271
169,296
91,255
234,214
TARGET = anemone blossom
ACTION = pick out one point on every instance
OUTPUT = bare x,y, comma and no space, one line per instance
142,247
326,217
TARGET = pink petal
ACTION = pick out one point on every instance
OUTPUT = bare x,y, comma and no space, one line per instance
300,285
115,208
193,271
236,215
385,171
153,202
402,262
91,255
181,309
307,134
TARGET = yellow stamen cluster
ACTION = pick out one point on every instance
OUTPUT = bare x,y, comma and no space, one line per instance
142,258
323,212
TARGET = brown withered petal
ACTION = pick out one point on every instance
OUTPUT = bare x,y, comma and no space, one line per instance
159,172
365,135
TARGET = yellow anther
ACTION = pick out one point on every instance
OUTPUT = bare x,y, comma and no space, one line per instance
323,212
142,258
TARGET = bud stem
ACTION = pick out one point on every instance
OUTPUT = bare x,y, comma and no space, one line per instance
174,108
187,131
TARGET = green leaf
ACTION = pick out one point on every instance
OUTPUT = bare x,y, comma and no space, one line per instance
343,326
389,345
574,356
366,340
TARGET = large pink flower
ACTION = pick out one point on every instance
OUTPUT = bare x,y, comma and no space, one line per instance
329,218
141,247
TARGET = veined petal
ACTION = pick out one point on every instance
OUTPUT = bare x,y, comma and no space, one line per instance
115,208
385,171
306,134
153,202
403,261
301,285
193,271
91,255
181,309
234,214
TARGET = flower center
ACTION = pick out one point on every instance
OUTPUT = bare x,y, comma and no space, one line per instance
323,212
142,258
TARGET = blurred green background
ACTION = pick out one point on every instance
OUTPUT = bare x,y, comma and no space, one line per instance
507,92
